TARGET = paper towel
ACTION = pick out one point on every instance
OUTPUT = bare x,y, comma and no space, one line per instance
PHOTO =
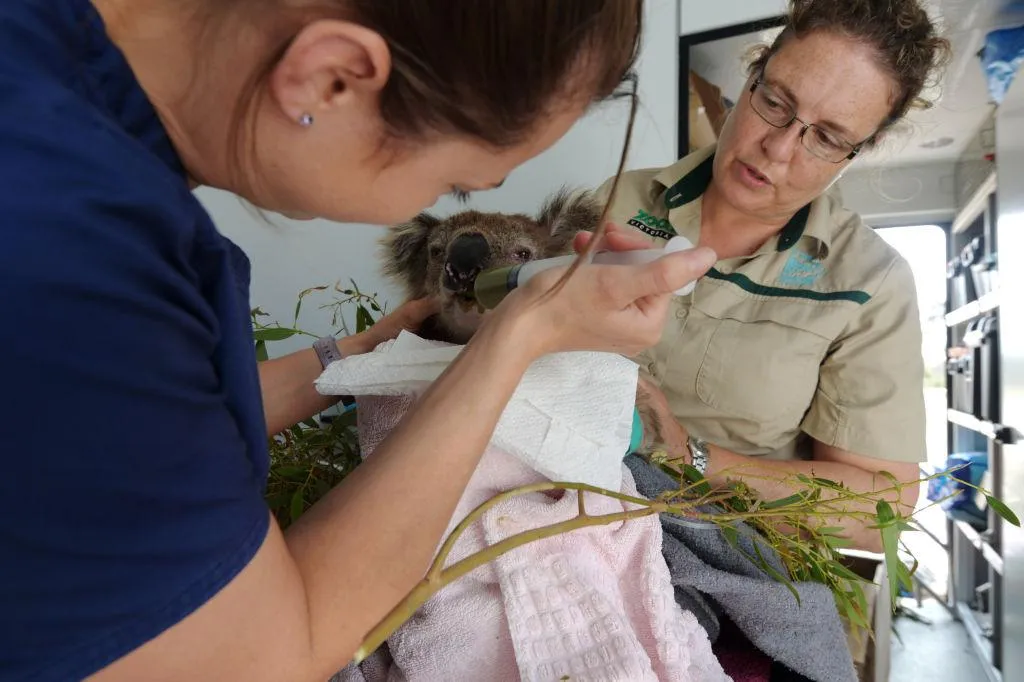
570,418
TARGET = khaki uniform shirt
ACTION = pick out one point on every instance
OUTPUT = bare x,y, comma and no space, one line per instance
816,334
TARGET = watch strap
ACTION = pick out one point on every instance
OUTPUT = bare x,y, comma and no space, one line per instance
327,350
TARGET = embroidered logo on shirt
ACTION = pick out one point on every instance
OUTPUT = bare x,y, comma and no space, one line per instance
652,225
801,270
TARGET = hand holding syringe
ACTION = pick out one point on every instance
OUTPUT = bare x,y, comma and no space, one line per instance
492,286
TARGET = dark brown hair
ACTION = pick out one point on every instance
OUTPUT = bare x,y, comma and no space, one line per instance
902,37
490,69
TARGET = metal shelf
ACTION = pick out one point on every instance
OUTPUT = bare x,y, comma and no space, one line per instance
976,205
969,421
985,304
981,643
982,545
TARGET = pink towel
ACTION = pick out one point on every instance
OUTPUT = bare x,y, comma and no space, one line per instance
593,604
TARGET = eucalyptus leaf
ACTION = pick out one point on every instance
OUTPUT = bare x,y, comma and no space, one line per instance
784,502
297,505
999,507
261,351
886,516
364,320
836,542
890,541
770,570
274,333
731,535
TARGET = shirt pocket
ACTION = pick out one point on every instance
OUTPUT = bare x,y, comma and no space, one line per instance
762,362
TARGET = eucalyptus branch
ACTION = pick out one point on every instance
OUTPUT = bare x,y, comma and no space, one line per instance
809,553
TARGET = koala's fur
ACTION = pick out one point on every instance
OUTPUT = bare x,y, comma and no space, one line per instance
420,254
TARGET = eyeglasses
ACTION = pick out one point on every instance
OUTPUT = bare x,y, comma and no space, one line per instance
774,110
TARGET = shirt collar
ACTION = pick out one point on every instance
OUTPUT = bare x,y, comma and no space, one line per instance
686,180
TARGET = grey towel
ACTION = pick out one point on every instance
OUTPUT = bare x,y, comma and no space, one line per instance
709,574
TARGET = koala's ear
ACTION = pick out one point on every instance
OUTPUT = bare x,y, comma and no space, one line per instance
405,252
565,213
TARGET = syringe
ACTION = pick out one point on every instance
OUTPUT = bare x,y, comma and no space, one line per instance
492,286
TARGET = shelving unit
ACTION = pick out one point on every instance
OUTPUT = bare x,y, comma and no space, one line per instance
975,590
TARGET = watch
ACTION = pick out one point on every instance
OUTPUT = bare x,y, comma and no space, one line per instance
327,350
699,454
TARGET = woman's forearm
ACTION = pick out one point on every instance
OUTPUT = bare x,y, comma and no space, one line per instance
417,473
775,479
289,395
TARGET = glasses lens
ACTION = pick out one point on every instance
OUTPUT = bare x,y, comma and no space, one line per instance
825,145
770,107
778,113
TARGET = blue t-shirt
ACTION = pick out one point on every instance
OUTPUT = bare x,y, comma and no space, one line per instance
133,450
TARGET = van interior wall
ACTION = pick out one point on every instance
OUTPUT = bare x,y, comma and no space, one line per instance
288,257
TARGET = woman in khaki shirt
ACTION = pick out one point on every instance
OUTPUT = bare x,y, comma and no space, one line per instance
800,351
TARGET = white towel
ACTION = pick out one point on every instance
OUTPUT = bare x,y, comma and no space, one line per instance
570,419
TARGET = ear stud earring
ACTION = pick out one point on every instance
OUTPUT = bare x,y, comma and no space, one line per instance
306,120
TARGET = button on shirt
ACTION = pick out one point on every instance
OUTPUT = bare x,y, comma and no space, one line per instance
133,447
817,334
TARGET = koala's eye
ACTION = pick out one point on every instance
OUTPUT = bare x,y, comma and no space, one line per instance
523,254
435,251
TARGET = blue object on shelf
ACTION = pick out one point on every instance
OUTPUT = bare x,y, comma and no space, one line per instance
960,467
1001,58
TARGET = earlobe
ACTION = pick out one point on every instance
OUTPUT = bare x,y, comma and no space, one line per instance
327,64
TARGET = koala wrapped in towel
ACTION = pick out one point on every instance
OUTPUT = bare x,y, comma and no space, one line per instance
592,604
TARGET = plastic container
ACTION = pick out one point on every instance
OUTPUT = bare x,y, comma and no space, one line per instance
961,383
982,338
957,279
985,275
961,467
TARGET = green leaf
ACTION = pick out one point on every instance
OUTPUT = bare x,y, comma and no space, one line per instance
886,516
297,505
364,320
767,568
836,542
669,471
892,479
731,535
784,502
274,333
261,351
890,541
831,530
844,571
1000,508
292,473
858,608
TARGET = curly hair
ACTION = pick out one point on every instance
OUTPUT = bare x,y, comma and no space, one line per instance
905,42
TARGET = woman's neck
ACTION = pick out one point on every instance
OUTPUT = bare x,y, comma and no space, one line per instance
728,231
194,100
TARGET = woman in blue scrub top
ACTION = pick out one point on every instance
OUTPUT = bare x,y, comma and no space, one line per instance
135,543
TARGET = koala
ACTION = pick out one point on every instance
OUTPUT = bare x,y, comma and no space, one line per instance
430,256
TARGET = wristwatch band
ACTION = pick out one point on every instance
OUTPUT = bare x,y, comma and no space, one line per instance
698,454
326,348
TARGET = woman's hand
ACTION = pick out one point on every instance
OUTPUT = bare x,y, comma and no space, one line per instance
614,308
661,429
407,317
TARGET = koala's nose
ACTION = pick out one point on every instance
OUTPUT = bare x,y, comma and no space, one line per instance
467,256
